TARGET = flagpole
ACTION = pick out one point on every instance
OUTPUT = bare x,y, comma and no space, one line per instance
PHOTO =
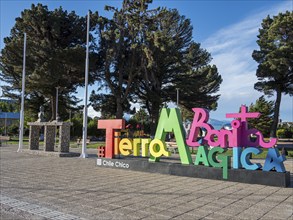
84,129
21,121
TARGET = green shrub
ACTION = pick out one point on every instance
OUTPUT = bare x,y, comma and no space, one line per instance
284,133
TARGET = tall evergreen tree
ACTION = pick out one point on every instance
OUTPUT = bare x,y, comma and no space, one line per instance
55,56
172,60
119,51
106,104
265,121
275,59
148,53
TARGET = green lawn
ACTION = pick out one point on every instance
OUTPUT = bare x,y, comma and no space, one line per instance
14,141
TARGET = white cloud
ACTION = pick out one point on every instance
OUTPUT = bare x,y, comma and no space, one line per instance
231,49
92,113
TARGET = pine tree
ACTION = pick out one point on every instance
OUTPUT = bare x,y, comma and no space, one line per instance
147,53
171,61
55,57
119,51
275,60
265,121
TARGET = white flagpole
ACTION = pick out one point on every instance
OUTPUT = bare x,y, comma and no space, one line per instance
84,128
21,121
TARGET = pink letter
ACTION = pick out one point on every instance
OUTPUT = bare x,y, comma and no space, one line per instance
201,116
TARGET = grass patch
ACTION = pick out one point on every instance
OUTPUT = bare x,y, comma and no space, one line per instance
94,145
15,141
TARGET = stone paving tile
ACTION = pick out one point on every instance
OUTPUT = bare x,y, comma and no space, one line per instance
123,210
199,213
109,207
186,216
153,209
137,215
156,217
231,210
165,205
253,213
282,210
274,215
196,203
217,216
184,208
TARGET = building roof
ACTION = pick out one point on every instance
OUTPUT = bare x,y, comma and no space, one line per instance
11,101
10,115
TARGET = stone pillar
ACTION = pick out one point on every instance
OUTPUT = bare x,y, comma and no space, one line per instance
34,137
49,140
64,137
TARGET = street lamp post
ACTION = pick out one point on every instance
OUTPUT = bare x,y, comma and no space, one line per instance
5,125
57,90
21,121
177,97
85,110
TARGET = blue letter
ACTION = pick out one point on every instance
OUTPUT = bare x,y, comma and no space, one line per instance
274,160
245,158
236,157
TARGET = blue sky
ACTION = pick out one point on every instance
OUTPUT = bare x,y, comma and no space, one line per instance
227,29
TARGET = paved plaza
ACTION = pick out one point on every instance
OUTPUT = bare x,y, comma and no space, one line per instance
43,187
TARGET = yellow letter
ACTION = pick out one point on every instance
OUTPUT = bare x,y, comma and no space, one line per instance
145,147
125,146
158,148
116,142
136,145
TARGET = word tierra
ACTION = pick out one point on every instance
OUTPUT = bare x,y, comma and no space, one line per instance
219,140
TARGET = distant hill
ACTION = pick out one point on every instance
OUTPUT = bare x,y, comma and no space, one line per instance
217,124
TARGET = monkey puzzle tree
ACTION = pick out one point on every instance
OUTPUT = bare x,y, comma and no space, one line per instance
55,56
275,60
172,60
148,53
119,52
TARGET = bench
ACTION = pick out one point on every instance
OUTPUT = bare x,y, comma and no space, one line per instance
79,141
4,138
171,146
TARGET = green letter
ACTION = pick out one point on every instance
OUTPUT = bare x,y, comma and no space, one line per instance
225,160
202,156
170,121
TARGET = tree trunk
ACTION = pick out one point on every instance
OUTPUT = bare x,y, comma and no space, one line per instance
274,127
155,111
119,109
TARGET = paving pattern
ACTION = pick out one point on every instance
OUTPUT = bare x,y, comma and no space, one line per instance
40,187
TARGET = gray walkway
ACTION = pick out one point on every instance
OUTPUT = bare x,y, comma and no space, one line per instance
39,187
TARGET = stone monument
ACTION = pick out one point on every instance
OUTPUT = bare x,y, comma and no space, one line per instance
49,134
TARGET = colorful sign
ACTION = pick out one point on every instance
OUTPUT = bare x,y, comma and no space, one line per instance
239,138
